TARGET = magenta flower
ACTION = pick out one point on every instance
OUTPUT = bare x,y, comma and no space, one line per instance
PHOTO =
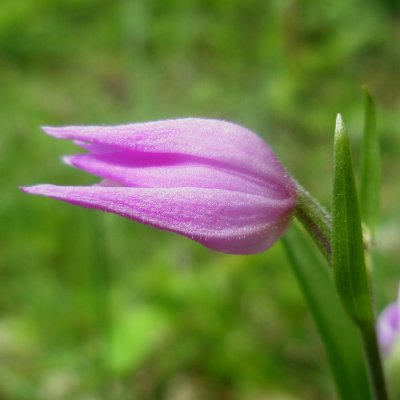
389,326
212,181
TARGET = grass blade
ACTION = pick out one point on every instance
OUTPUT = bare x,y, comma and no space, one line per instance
350,273
341,338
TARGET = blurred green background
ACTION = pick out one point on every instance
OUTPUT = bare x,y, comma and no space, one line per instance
93,306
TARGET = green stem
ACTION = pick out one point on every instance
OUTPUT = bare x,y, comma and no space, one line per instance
371,346
315,219
374,362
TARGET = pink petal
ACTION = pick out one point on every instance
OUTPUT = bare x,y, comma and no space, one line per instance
155,170
223,220
220,141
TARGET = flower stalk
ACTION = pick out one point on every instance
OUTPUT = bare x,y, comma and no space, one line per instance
315,219
373,358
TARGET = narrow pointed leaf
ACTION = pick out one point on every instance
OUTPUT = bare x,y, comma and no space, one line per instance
340,337
370,171
348,261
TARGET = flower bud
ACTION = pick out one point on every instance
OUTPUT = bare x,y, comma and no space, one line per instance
212,181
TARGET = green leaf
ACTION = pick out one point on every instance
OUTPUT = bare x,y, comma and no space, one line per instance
350,273
370,171
341,338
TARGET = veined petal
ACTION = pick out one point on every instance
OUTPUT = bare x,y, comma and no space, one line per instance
155,170
220,141
223,220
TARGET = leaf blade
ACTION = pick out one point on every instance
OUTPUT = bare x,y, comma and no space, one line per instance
350,273
340,337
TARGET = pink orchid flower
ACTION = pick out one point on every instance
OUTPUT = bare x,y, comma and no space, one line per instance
212,181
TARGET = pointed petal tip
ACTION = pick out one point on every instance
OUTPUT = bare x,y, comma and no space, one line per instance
57,132
37,189
75,161
68,160
24,189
